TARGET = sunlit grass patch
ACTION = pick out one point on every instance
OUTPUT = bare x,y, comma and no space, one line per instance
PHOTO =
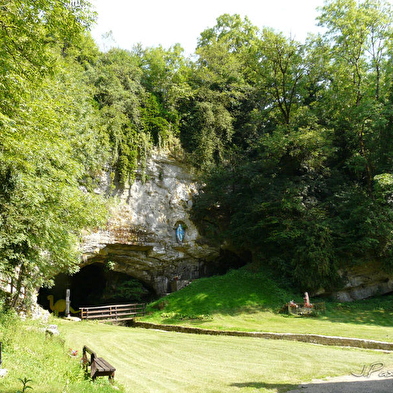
148,360
249,300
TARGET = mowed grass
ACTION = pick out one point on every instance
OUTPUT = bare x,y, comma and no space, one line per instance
250,300
333,323
157,361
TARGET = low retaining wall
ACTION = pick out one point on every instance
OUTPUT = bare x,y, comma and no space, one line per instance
307,338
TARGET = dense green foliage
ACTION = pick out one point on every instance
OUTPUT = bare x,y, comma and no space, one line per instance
50,143
293,140
305,183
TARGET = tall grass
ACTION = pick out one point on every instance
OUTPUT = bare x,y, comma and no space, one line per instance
28,353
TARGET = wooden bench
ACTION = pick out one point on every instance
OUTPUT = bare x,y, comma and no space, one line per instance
99,367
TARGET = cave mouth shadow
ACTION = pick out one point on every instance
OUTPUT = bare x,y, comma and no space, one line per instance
96,285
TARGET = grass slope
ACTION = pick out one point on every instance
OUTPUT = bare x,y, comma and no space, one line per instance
248,299
156,361
27,353
235,292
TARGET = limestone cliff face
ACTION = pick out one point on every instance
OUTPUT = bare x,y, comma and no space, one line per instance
364,281
140,238
361,282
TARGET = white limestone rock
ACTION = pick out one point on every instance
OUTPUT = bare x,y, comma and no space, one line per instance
140,237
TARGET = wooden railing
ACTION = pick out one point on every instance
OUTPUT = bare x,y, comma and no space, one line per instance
119,312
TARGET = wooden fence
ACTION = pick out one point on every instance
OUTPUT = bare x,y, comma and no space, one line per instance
119,312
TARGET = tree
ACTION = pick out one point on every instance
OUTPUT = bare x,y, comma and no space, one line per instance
282,68
221,90
165,74
118,91
49,144
358,36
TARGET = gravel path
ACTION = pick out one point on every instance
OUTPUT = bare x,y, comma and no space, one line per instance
348,384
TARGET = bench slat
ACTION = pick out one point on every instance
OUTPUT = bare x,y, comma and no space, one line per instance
103,366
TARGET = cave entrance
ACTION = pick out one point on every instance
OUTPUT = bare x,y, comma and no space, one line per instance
96,285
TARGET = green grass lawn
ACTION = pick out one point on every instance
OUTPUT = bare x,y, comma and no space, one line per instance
28,353
156,361
264,321
249,300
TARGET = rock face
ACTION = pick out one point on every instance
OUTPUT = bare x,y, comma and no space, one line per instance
363,282
140,239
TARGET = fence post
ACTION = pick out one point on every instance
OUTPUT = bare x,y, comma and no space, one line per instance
67,310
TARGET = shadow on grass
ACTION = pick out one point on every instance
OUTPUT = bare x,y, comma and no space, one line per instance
274,387
377,311
374,386
230,294
362,317
200,319
335,313
241,292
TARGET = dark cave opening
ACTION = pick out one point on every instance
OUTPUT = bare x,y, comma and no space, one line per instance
96,285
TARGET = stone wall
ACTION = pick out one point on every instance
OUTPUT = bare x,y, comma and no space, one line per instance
307,338
140,238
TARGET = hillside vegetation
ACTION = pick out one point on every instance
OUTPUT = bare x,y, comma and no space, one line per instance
242,290
292,140
249,299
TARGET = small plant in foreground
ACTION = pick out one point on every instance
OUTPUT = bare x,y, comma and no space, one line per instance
25,382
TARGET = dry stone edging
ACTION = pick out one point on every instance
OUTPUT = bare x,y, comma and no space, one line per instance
307,338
